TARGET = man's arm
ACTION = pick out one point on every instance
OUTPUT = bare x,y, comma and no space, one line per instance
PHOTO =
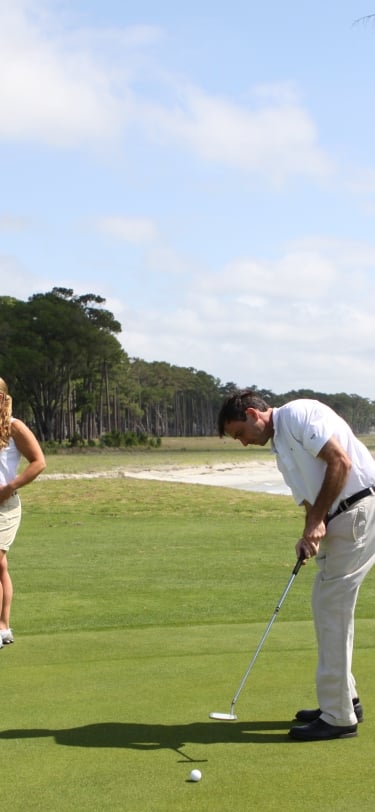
337,472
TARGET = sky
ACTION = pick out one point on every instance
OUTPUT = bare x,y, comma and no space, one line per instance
208,168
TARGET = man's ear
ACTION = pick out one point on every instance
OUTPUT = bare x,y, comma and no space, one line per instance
252,412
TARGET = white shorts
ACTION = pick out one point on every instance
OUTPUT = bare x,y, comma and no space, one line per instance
10,517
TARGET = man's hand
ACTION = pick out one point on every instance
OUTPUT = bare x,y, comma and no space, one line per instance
314,531
306,549
308,545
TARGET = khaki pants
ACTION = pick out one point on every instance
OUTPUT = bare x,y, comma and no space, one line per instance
345,557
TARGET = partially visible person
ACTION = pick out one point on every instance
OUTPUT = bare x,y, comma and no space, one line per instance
16,441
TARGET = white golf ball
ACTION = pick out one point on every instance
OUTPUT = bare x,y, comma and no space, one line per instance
195,775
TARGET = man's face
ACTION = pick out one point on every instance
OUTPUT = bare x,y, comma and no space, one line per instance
252,431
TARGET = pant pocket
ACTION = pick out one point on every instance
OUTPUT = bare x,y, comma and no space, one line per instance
359,525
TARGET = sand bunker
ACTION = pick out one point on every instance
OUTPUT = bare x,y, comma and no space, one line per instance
262,477
255,476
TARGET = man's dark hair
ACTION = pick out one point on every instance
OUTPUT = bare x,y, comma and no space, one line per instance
235,405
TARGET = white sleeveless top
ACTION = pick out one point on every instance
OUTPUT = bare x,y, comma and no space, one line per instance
9,461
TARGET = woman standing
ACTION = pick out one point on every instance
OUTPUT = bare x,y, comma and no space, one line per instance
16,441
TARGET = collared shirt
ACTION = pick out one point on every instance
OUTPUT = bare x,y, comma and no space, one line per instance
301,429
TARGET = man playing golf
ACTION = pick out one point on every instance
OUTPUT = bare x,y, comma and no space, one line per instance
332,475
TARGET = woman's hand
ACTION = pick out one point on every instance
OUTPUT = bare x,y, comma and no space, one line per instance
6,491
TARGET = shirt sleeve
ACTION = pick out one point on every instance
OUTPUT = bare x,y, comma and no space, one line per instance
313,425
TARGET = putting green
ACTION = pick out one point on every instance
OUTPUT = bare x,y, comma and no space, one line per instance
117,720
136,612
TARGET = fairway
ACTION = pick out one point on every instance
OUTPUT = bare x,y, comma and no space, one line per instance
137,608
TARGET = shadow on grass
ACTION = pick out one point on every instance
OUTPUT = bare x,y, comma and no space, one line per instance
157,737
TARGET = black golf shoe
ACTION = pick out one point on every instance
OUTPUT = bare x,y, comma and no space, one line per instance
309,715
321,731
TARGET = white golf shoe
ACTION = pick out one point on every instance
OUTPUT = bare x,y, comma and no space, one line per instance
6,636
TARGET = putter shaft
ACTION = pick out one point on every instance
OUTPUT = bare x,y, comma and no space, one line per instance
260,644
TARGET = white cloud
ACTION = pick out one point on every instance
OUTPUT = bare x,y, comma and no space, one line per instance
131,229
219,322
65,86
312,349
52,90
295,275
276,140
345,252
274,327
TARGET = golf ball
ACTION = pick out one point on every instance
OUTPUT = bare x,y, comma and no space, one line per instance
195,775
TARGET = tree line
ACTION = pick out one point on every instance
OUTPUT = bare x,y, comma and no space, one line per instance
73,382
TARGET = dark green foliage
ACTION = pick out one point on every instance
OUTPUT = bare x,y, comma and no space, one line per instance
128,439
47,345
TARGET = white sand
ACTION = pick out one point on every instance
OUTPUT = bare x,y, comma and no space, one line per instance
255,476
262,477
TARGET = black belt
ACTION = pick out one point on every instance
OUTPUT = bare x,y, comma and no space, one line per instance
346,503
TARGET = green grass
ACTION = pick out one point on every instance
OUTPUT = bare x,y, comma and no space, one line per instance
137,608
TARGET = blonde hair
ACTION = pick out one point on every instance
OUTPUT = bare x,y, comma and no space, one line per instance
5,414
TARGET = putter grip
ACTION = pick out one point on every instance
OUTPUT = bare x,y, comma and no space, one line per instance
298,565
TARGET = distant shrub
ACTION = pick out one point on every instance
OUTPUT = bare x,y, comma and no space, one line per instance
50,446
111,439
76,441
143,439
128,439
155,442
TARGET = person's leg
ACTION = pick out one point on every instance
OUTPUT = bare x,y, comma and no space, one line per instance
10,517
347,554
6,592
334,604
2,554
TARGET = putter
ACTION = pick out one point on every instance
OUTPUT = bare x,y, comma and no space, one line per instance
231,717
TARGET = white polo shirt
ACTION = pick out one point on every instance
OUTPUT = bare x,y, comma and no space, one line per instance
301,429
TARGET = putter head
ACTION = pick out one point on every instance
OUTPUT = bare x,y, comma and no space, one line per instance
224,717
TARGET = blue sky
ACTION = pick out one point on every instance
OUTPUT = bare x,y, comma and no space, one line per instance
209,169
